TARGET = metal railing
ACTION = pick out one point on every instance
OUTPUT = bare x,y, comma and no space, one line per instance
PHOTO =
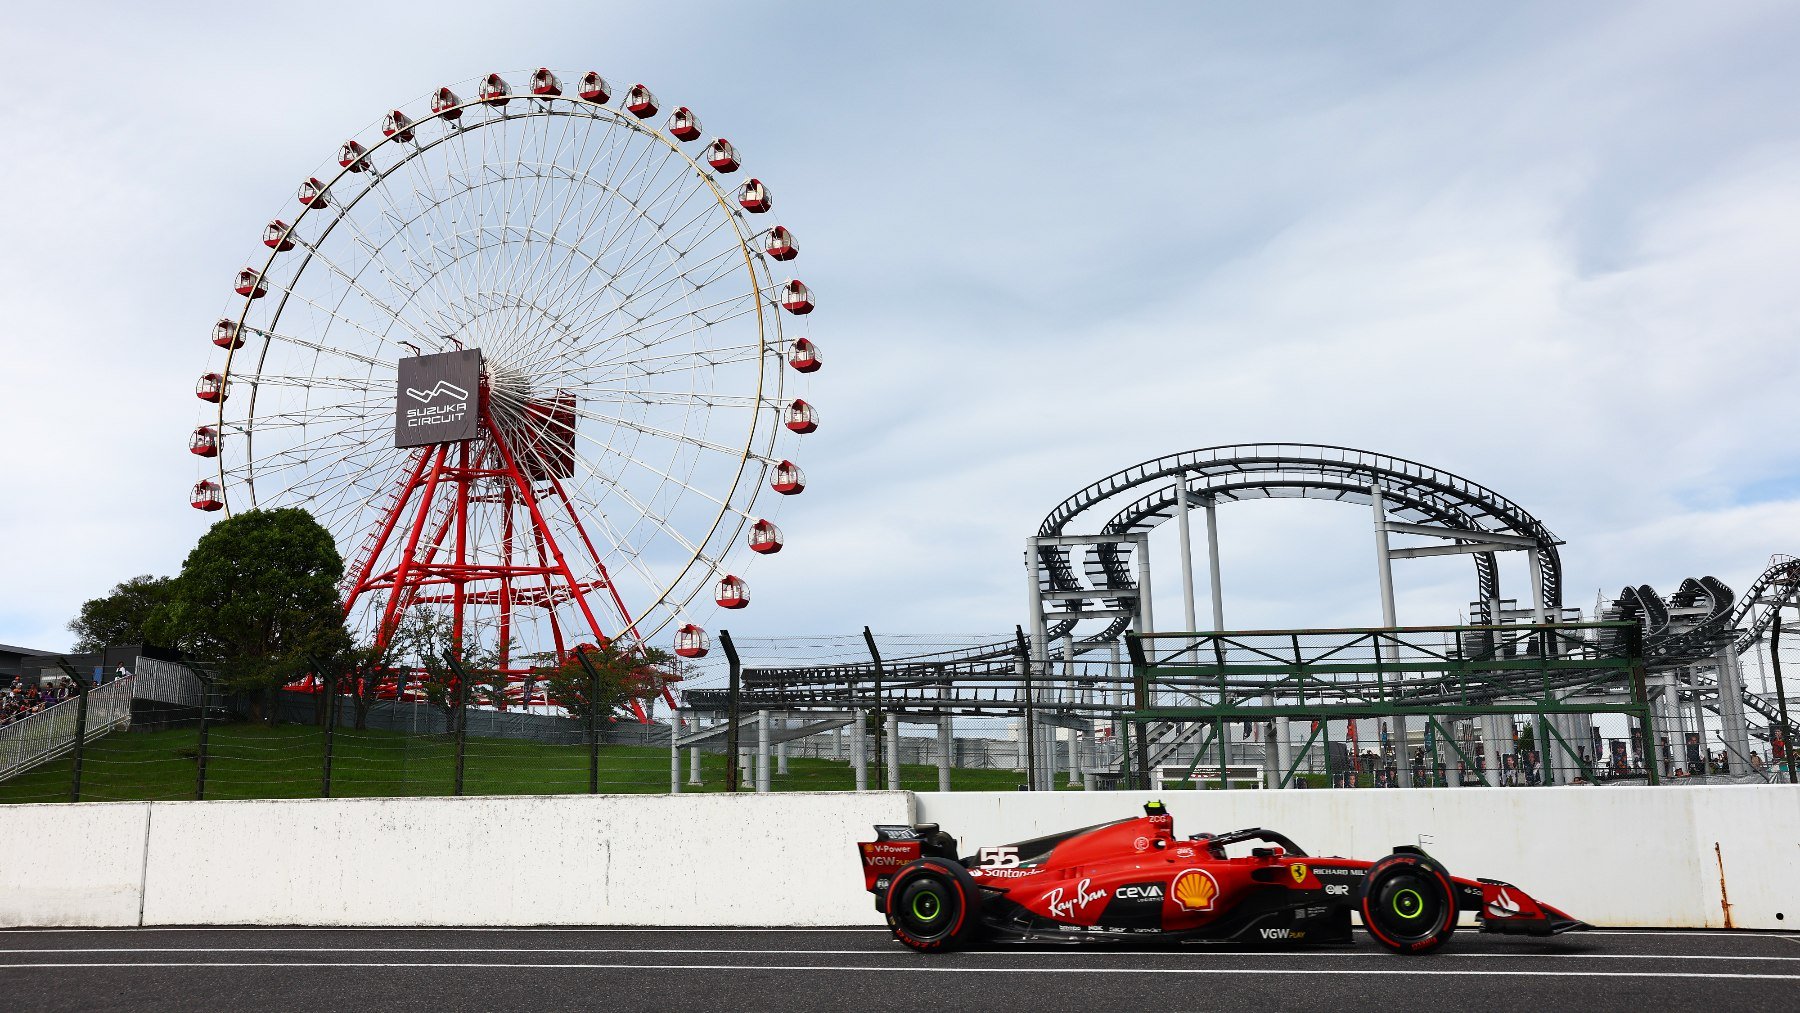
166,682
50,733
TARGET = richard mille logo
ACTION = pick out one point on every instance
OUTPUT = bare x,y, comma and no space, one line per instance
438,389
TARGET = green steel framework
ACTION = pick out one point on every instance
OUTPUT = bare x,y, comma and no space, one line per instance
1431,672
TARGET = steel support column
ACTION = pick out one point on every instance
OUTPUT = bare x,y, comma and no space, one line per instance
1385,567
893,752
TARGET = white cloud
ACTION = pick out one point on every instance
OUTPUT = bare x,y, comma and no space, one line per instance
1546,249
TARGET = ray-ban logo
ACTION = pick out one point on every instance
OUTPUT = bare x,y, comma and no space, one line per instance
441,387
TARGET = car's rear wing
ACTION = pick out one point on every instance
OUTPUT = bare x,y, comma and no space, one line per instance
896,845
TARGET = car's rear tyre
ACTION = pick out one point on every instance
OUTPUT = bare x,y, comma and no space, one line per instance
1408,904
933,905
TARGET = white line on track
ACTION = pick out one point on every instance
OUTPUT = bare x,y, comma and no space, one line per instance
846,930
430,928
1712,933
1222,953
861,969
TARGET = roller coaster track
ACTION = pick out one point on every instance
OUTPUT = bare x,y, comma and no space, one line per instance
1136,500
1693,625
1411,492
1739,623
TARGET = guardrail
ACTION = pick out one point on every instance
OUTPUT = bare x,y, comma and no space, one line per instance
50,733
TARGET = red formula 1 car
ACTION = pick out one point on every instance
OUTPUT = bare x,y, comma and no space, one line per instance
1134,880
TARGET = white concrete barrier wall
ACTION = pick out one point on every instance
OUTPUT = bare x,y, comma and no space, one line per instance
72,864
1614,856
1641,857
776,859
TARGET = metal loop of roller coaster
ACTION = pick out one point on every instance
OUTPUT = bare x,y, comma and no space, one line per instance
1092,601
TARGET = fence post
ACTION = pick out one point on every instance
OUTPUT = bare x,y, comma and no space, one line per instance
593,719
731,699
461,716
1140,690
1031,731
81,708
331,702
206,686
880,676
1781,708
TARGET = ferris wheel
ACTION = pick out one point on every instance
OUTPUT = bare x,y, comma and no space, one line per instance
525,351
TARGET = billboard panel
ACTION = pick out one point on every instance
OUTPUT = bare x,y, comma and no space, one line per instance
435,402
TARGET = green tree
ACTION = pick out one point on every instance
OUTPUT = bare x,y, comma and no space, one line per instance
422,639
121,616
362,671
256,596
627,672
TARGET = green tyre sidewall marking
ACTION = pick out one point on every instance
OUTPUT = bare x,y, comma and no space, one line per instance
1418,901
929,899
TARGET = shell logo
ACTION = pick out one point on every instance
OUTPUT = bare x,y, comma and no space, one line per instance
1195,890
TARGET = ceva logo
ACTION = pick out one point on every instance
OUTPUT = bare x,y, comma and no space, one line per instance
440,388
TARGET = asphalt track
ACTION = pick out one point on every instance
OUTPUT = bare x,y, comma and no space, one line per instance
441,970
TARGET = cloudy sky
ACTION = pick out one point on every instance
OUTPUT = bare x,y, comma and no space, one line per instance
1538,245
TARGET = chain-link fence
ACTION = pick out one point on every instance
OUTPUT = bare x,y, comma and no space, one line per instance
872,711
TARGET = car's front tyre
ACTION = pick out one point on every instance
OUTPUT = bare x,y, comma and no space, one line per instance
1408,904
933,905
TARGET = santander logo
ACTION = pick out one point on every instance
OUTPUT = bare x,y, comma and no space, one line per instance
1061,908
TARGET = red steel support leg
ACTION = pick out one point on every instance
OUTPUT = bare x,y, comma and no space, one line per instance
537,518
506,585
387,528
386,630
460,599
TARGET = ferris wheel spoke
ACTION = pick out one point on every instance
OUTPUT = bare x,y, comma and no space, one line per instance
622,547
354,384
338,317
663,434
716,356
304,416
351,281
719,263
590,324
623,270
402,275
316,346
632,255
646,325
539,199
701,399
621,489
577,434
621,364
590,208
410,284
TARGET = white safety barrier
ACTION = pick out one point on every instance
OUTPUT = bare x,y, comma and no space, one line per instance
777,859
1612,856
1641,857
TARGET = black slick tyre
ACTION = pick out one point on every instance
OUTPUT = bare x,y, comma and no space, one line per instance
933,905
1408,904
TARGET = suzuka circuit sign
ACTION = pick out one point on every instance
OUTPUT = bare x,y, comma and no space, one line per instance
435,402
